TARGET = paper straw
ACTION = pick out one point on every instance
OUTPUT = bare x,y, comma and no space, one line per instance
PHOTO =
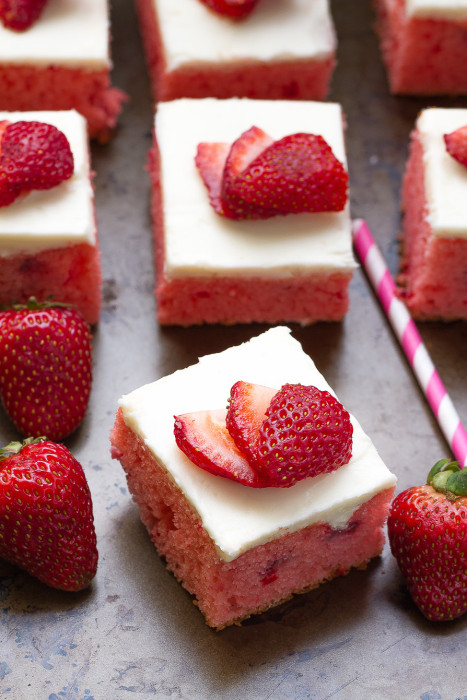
410,340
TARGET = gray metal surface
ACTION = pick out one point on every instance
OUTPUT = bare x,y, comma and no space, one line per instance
135,633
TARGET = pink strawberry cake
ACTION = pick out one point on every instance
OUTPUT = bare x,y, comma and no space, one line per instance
282,50
241,550
213,269
434,245
424,45
62,62
48,238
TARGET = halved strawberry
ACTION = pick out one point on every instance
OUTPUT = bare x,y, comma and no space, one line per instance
456,144
235,9
298,173
246,412
306,432
204,438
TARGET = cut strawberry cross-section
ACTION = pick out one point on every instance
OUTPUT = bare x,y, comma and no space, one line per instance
248,404
204,438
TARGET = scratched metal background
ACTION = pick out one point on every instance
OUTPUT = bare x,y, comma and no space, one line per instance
135,633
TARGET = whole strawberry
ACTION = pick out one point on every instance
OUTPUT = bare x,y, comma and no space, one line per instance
306,432
46,518
45,368
20,14
427,529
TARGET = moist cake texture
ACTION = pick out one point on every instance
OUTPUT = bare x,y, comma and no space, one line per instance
424,45
240,550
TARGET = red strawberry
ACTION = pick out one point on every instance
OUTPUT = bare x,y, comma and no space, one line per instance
33,156
236,9
248,404
456,144
45,368
243,152
306,432
298,173
210,160
262,178
46,519
20,14
205,440
427,529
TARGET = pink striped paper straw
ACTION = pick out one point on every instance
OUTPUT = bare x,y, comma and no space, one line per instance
410,340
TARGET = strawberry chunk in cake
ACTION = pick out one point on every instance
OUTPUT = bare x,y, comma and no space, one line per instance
278,50
269,263
238,543
424,45
434,243
61,61
48,237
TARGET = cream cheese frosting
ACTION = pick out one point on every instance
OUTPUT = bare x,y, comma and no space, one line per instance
72,33
445,178
449,10
235,516
277,30
199,242
61,216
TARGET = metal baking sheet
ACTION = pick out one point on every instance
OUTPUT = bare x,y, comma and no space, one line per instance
136,633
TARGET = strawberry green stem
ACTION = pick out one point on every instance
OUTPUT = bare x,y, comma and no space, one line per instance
447,477
14,447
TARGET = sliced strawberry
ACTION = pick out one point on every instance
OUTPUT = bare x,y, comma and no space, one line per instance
235,9
248,404
242,153
298,173
456,144
210,160
35,156
204,438
306,432
20,14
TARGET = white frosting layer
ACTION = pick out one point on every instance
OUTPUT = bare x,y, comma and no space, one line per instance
238,517
451,10
277,30
200,242
61,216
445,178
73,33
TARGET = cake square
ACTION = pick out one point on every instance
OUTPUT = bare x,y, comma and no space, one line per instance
242,550
48,238
211,269
62,62
284,50
434,236
424,45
